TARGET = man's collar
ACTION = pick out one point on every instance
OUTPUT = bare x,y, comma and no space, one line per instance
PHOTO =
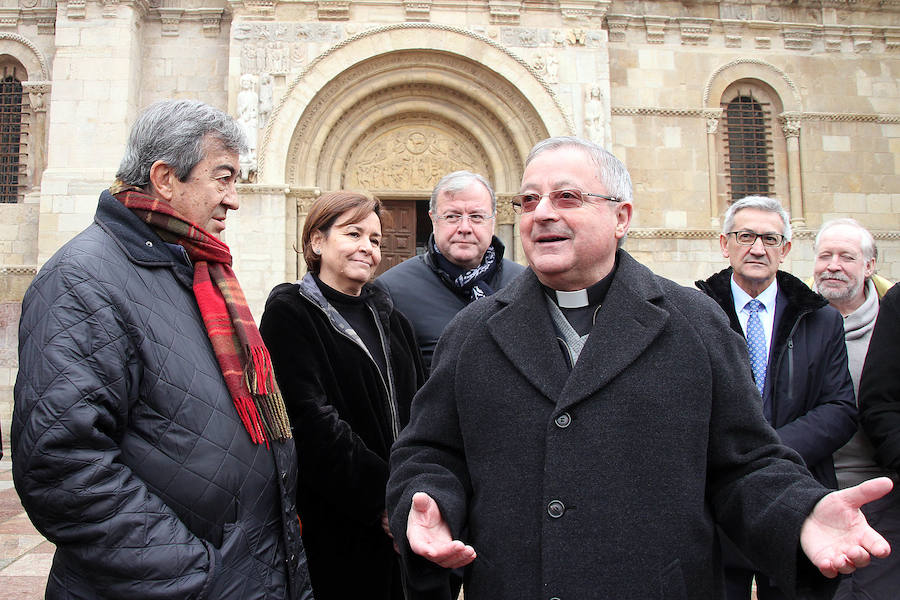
766,297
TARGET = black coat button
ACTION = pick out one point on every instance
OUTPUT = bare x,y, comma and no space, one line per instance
563,420
556,509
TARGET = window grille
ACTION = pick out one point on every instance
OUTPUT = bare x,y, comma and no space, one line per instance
749,167
12,163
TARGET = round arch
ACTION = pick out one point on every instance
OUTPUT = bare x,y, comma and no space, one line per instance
369,84
752,69
23,50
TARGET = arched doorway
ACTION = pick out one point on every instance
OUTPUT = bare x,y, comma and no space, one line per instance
393,123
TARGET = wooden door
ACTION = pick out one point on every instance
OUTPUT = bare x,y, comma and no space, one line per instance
398,232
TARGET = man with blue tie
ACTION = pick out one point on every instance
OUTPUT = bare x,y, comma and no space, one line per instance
795,342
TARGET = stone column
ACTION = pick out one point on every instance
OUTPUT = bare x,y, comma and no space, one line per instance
712,126
38,95
96,71
790,125
304,198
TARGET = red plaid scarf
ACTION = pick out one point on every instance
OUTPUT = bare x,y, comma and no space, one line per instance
239,348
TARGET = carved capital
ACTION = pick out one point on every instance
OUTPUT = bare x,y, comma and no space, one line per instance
656,29
790,124
37,94
171,20
798,38
505,214
9,17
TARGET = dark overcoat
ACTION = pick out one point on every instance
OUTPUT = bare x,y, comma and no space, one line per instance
605,482
421,294
345,417
128,452
808,386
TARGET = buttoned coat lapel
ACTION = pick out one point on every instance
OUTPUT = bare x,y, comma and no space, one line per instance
524,333
627,323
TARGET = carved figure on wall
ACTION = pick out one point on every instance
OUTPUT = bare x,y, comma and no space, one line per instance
593,116
410,159
552,68
248,118
276,58
266,98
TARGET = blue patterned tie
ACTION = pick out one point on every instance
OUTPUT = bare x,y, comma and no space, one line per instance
756,344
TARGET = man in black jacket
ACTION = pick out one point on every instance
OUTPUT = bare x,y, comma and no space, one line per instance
585,428
797,352
463,260
148,444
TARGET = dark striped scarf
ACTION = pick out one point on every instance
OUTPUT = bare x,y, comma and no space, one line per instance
242,355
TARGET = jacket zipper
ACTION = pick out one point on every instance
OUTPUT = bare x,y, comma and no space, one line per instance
388,388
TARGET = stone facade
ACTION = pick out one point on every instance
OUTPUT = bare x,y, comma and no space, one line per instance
388,96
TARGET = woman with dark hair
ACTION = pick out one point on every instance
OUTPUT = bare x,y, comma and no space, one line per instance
348,366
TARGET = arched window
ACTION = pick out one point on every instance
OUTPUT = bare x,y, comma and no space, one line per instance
749,167
12,162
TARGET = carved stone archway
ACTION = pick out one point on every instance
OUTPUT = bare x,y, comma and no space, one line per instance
393,123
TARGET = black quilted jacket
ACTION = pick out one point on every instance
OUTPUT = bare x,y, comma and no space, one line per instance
128,453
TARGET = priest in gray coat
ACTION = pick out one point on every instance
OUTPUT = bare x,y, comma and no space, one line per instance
586,428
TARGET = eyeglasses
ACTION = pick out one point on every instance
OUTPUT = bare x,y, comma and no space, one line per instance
560,199
748,238
456,219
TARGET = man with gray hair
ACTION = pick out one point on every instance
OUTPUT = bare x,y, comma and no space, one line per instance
463,259
150,442
796,349
585,428
844,273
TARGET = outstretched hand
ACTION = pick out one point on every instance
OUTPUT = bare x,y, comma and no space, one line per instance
429,535
836,536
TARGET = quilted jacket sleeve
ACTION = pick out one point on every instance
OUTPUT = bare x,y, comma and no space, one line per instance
78,376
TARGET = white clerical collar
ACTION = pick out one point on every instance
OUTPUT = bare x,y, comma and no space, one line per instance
576,299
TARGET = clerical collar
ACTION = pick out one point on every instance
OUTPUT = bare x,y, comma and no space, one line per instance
592,296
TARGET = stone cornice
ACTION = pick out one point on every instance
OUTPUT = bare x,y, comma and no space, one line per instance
651,233
737,33
705,113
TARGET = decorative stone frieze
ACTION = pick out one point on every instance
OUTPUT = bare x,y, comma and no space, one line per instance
797,38
505,12
862,39
892,38
334,10
171,20
75,9
9,17
734,33
417,10
110,8
211,18
656,29
618,26
763,42
580,10
833,38
695,32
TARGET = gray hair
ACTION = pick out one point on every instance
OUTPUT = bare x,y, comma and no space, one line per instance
760,203
610,169
457,181
175,132
866,240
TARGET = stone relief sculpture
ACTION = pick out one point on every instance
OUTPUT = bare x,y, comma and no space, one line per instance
266,98
248,118
593,116
413,158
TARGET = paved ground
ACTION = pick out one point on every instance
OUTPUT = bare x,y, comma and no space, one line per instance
25,555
